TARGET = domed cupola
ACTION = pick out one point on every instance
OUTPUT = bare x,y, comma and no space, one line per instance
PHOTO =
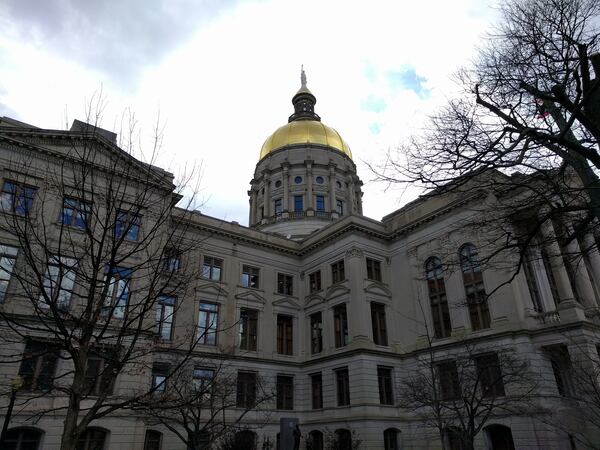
305,177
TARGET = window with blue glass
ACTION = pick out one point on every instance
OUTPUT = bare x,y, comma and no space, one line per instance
298,180
116,291
320,203
75,213
127,224
17,198
298,206
278,206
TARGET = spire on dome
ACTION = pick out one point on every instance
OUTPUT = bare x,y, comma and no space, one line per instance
304,102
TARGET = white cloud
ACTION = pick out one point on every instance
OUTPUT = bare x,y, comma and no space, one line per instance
223,89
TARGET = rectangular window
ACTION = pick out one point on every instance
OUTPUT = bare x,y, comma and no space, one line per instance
211,269
164,316
339,207
479,311
59,280
384,379
208,319
171,260
340,325
316,382
248,329
99,378
561,367
378,323
246,390
75,213
316,332
117,293
202,383
17,198
278,206
448,382
550,274
314,280
373,269
532,285
160,372
38,366
442,327
8,258
250,276
285,392
320,203
127,225
489,374
285,335
298,204
343,386
337,272
285,284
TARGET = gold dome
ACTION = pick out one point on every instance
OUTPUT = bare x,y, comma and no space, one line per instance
305,132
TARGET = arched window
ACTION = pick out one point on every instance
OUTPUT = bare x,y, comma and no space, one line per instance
474,290
390,439
245,440
153,440
23,439
437,298
92,439
343,439
315,440
499,437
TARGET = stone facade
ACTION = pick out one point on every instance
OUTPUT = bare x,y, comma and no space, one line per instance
367,309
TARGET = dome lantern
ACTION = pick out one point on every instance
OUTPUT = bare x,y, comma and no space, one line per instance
304,102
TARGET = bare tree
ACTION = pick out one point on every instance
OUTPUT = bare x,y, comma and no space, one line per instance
98,261
459,392
525,130
203,405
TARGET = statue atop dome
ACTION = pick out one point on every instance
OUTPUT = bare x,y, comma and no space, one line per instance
302,77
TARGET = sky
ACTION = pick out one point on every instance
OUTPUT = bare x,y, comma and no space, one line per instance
217,76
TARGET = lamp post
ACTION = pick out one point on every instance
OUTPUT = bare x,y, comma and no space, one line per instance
15,384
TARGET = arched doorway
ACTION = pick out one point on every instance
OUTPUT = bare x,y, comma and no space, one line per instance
500,437
315,440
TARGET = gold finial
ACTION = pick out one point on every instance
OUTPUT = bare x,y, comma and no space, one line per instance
302,77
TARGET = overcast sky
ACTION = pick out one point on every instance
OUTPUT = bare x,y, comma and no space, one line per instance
222,74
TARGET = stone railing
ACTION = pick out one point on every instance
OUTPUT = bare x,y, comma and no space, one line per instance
547,318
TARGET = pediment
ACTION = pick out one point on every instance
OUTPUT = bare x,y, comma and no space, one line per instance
287,302
335,291
250,296
312,300
213,289
378,289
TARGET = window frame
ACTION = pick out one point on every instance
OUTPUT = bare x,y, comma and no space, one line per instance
278,206
489,375
298,203
248,329
316,386
162,304
44,356
8,261
385,383
285,392
18,202
80,213
285,334
475,293
246,387
373,269
316,332
379,324
211,321
438,299
320,203
128,225
340,325
152,438
285,284
338,271
250,276
212,268
116,301
100,382
314,281
339,207
448,381
342,384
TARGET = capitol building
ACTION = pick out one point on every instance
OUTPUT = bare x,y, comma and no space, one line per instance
355,329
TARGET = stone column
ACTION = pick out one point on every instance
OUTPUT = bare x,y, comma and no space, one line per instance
359,326
286,187
582,278
309,186
332,187
563,284
267,196
350,190
252,200
593,256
